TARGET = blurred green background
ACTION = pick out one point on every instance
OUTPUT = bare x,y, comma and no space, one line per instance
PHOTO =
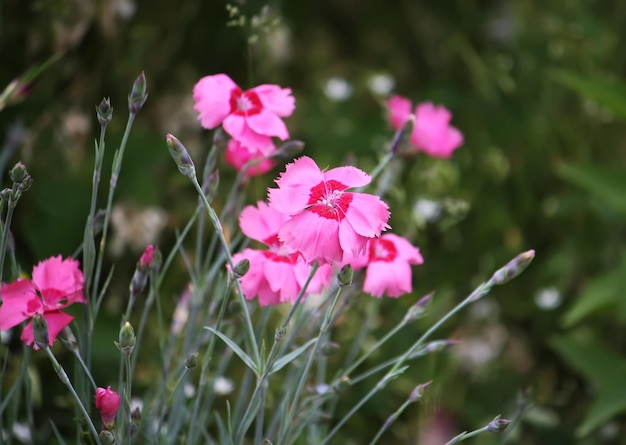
537,90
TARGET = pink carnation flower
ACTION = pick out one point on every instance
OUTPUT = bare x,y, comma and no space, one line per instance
238,156
56,284
388,262
275,275
432,133
326,220
107,402
252,117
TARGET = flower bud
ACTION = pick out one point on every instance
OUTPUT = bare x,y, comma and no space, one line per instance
290,149
280,334
18,173
107,437
138,94
127,339
104,112
402,136
210,186
107,402
418,309
342,385
191,361
40,331
157,261
418,391
498,425
147,256
241,268
181,156
513,268
68,339
345,275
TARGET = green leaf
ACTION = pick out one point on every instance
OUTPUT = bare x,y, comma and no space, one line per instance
606,184
286,359
607,405
597,294
236,349
607,93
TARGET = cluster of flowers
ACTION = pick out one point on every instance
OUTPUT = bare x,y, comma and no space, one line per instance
311,216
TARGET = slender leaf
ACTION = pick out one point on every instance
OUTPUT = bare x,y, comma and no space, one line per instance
286,359
236,349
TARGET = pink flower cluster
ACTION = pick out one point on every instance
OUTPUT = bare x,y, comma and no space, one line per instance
313,217
56,284
252,118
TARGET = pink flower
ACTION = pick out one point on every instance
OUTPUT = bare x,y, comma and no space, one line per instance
107,402
275,275
326,220
252,117
56,284
147,256
432,133
388,262
238,156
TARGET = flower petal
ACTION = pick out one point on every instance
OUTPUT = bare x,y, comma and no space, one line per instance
267,124
59,281
367,214
57,320
393,278
261,222
212,99
399,110
19,302
238,128
314,237
406,251
276,99
348,176
294,186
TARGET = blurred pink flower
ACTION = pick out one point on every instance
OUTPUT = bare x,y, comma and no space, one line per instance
388,262
56,284
275,275
252,117
107,402
147,256
239,155
432,133
326,221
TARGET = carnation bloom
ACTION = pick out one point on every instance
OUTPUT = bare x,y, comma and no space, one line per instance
56,284
326,220
275,275
107,402
432,133
252,117
239,155
388,262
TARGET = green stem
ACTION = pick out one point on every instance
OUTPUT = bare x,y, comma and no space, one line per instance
5,230
66,381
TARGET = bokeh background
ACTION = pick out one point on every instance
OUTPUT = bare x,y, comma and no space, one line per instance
537,90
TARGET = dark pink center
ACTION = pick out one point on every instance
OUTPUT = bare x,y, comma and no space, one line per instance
289,259
245,103
382,250
328,200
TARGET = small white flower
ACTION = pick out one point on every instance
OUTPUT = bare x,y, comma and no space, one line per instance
338,89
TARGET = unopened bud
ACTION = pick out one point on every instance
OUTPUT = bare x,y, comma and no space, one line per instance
241,268
330,348
403,135
127,339
147,256
290,149
191,361
104,112
138,282
210,185
136,414
181,156
6,194
498,425
513,268
418,309
18,173
157,261
68,339
418,391
107,437
345,275
267,442
40,331
138,94
343,384
219,140
280,334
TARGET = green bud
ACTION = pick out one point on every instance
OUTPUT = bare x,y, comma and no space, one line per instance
290,149
418,391
241,268
127,339
181,156
104,112
107,437
418,309
18,173
138,94
345,275
498,425
40,331
343,384
191,361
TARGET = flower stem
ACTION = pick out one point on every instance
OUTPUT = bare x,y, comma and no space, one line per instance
66,381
